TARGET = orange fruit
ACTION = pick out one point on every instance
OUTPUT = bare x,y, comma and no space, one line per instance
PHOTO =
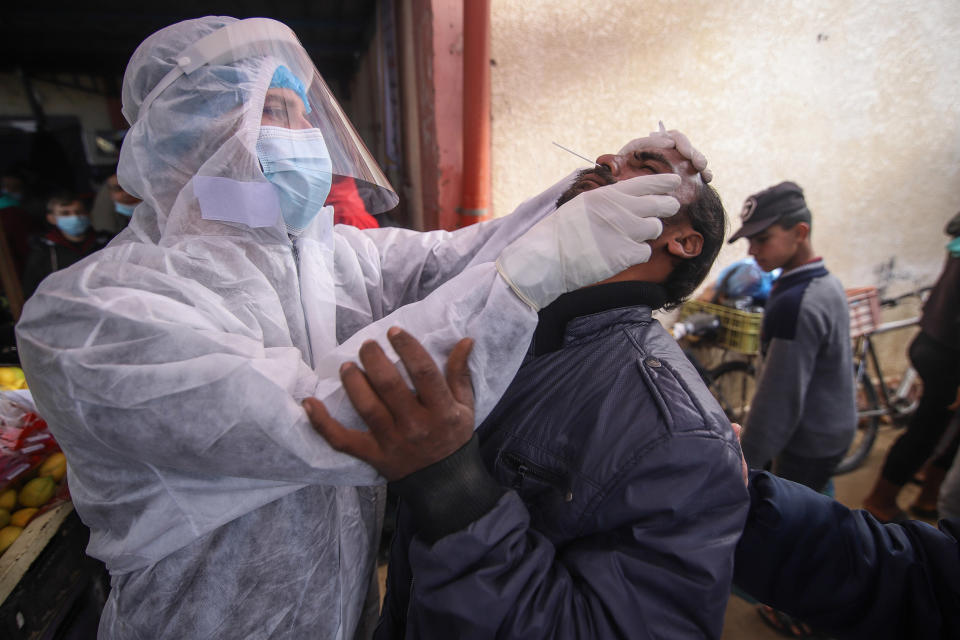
23,516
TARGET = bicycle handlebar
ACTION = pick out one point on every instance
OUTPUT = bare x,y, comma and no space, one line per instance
893,325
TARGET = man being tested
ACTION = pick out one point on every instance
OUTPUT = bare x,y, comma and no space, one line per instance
603,496
171,365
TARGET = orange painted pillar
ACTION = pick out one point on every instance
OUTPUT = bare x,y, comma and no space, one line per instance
475,179
436,30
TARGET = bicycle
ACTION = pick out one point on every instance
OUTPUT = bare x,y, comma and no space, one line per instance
731,382
896,405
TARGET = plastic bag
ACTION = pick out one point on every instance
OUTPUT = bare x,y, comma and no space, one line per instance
28,451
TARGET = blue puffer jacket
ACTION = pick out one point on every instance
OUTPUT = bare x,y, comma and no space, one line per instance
844,573
626,498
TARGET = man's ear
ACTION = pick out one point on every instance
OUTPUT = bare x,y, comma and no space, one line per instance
685,243
801,231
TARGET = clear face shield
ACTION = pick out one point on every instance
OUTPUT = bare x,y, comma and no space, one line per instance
301,130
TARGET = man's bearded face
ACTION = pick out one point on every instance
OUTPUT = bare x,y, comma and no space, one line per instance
586,180
638,162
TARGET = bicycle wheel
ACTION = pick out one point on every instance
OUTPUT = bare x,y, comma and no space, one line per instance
731,383
867,425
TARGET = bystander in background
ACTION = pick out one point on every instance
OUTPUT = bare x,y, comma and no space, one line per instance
112,207
17,224
935,354
70,240
803,414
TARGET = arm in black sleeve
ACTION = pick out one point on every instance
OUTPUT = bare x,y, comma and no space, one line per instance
36,269
843,572
448,495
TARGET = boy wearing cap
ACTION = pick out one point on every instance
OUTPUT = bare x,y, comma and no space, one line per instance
803,415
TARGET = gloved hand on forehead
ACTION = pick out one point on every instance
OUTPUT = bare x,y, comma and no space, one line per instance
594,236
672,139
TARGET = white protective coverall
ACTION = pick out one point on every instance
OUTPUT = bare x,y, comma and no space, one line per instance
171,366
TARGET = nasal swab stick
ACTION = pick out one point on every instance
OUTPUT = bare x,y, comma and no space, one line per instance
576,154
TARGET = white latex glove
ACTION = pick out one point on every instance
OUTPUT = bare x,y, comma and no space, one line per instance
595,235
672,139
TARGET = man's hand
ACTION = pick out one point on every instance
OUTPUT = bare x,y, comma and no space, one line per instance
672,139
408,431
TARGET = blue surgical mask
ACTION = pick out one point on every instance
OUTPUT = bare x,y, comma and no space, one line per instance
954,247
124,209
73,225
9,199
298,164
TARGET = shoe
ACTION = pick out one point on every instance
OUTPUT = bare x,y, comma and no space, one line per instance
785,624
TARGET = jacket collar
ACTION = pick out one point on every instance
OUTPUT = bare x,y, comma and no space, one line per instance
803,273
553,318
55,236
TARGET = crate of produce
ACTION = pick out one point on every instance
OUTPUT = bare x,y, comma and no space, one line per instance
32,467
864,303
739,330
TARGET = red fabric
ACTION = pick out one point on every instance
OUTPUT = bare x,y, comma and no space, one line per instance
348,206
84,247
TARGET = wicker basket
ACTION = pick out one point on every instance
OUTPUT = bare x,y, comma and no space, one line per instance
864,310
739,330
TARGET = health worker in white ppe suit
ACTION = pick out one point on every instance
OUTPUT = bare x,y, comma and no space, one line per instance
171,365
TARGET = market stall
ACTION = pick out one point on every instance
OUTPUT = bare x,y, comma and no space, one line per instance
49,587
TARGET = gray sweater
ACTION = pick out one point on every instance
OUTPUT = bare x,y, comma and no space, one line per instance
804,402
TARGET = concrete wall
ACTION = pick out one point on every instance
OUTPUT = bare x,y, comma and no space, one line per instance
857,101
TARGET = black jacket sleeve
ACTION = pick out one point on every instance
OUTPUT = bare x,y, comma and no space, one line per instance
450,494
36,269
844,573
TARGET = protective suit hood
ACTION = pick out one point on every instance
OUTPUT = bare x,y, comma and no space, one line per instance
194,95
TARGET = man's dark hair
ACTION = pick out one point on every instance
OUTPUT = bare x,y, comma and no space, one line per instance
707,217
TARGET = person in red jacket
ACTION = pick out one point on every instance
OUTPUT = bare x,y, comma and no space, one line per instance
348,206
